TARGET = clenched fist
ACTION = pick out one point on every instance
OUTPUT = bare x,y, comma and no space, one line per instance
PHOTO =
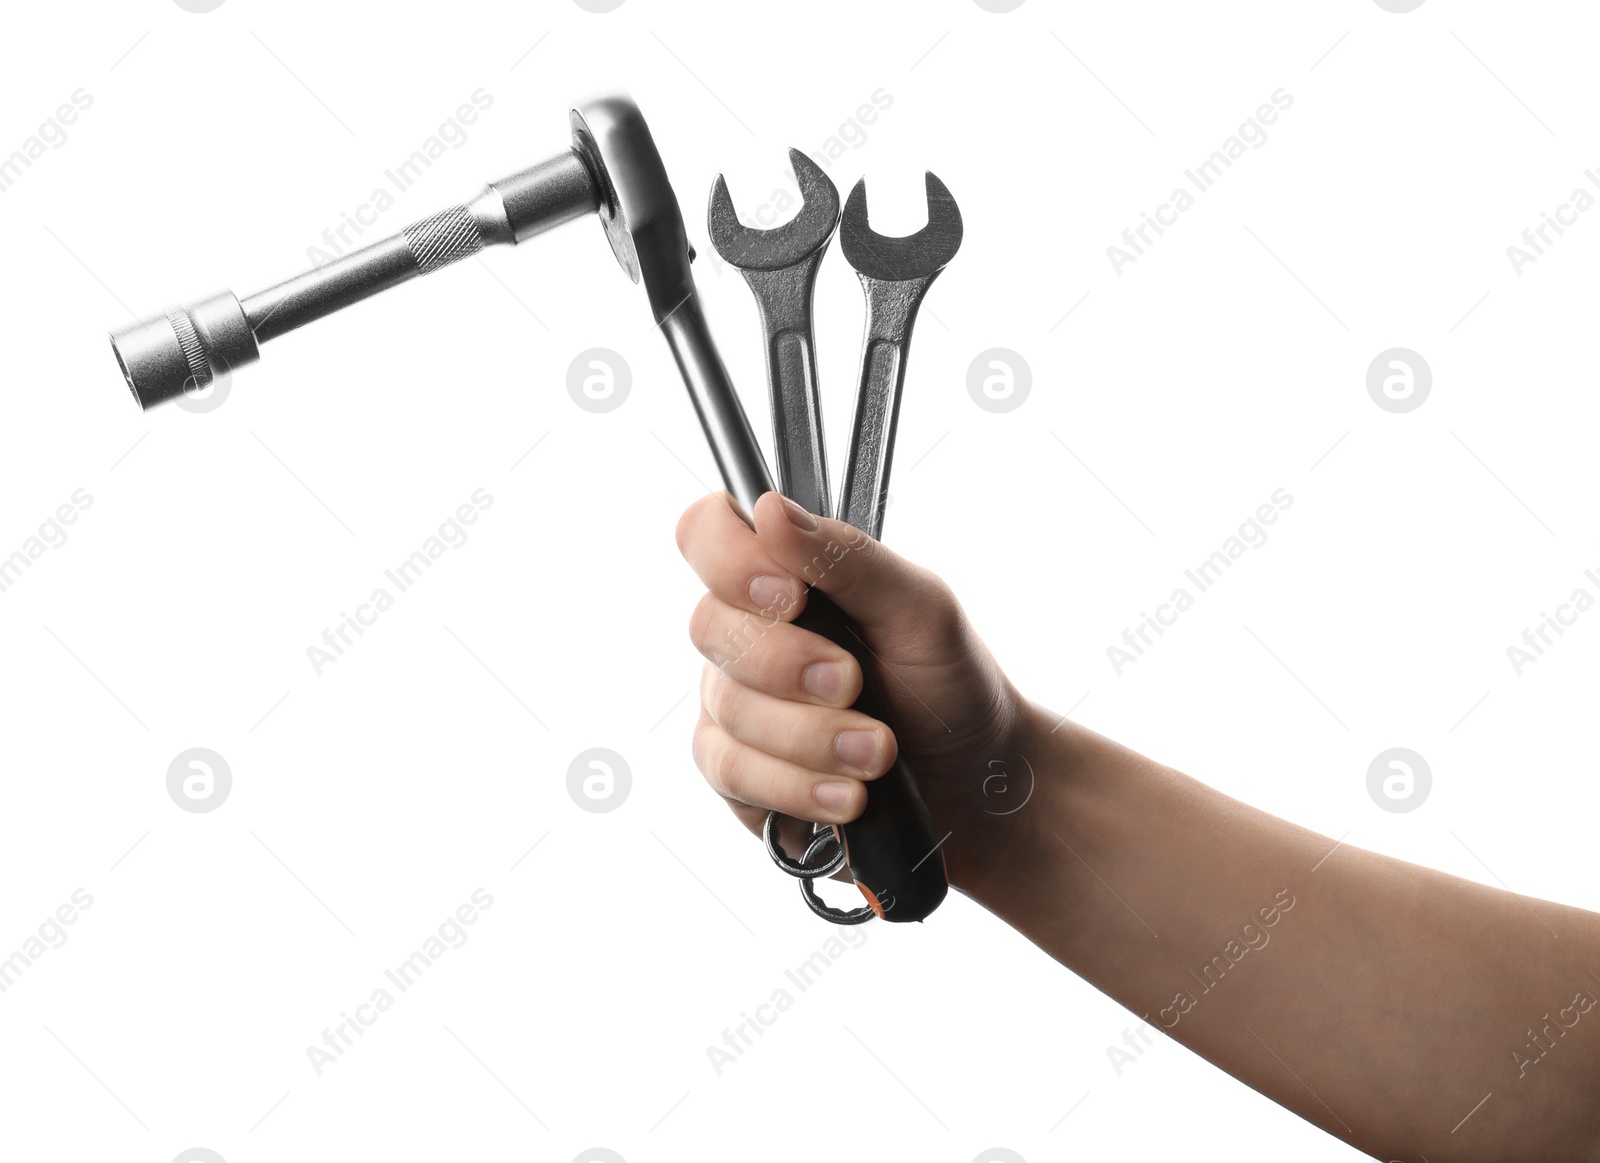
776,730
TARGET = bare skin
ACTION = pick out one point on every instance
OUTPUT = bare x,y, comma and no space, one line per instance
1377,999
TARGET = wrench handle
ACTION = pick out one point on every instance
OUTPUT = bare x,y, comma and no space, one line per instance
893,853
891,313
797,420
891,847
865,495
783,299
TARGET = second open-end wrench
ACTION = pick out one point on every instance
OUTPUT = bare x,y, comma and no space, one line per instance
895,274
780,265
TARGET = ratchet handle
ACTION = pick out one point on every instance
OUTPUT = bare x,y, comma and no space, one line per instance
893,853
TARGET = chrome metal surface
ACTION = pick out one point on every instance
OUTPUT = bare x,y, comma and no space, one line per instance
645,226
895,274
183,348
780,265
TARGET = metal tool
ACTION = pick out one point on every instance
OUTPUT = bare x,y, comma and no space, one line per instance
780,266
188,346
895,274
890,847
612,169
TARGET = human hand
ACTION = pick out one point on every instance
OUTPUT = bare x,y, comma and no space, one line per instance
775,729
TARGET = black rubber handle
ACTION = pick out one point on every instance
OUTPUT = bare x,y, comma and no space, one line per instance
893,853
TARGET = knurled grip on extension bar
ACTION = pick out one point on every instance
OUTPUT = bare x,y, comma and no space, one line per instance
443,238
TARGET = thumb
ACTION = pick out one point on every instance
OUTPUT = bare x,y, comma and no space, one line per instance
882,592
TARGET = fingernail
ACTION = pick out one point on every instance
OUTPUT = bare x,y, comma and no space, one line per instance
833,796
799,518
824,679
857,748
769,593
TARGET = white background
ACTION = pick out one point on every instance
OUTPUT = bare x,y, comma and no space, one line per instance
1167,402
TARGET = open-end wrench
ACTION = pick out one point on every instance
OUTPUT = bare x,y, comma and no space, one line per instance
780,265
895,274
890,847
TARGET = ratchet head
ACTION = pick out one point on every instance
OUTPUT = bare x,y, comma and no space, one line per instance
916,256
807,233
637,206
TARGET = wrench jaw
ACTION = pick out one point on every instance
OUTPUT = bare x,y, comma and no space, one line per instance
916,256
747,248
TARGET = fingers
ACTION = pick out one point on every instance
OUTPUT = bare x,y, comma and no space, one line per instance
773,657
823,740
880,590
746,775
734,566
766,570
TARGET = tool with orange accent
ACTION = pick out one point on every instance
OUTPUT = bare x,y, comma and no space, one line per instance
891,848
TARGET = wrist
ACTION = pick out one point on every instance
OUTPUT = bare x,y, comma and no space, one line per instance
1015,801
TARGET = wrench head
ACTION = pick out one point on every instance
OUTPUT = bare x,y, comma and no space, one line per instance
915,256
636,204
748,249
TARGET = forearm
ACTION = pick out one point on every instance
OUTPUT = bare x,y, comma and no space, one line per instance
1379,1000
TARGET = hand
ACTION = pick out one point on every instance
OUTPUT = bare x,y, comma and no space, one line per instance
775,729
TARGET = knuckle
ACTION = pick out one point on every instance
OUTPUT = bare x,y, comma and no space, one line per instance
712,758
733,639
774,671
733,769
687,522
721,698
942,615
708,678
702,620
852,553
700,745
808,742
